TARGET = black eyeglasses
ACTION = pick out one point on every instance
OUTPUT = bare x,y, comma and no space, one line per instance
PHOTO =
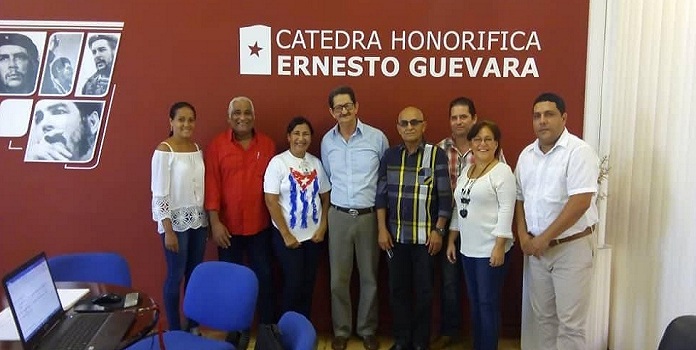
465,199
413,122
339,108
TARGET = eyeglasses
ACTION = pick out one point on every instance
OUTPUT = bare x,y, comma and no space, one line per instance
478,140
339,108
465,199
413,122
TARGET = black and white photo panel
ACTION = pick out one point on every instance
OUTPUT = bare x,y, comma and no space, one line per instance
20,58
60,68
64,131
98,62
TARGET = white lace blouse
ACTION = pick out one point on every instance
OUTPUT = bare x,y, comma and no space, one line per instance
177,189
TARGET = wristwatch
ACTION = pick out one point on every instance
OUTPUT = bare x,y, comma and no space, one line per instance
441,231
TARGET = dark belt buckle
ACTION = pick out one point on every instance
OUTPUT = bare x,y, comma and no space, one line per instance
353,212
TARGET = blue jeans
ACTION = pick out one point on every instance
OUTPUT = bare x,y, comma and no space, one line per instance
299,273
179,266
257,248
484,286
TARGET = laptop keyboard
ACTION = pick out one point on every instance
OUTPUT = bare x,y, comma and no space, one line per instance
81,331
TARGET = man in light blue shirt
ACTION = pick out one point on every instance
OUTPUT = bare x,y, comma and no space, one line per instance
351,152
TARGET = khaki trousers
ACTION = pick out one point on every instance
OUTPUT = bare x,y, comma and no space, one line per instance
560,293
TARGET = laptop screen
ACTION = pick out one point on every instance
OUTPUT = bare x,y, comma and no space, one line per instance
33,296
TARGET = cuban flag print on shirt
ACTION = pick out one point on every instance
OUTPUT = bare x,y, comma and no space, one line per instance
300,184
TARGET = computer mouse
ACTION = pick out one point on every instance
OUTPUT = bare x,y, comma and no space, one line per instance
107,299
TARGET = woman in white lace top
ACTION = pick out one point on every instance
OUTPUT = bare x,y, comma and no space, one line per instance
177,205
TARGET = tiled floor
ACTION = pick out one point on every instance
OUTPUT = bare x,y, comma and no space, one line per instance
354,343
386,342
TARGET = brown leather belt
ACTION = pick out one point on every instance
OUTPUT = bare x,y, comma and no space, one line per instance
353,211
555,242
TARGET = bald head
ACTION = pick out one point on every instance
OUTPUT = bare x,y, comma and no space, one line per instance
411,112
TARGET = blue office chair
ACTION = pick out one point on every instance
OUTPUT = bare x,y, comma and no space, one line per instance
104,267
296,332
219,295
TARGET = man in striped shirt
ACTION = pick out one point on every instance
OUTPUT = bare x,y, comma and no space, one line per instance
462,115
414,202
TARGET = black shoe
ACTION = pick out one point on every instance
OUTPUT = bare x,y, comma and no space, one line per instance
370,342
339,343
233,338
399,347
244,339
240,340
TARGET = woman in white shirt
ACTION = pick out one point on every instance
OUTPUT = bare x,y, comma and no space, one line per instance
297,196
485,201
177,206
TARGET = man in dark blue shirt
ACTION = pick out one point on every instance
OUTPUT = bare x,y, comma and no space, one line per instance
414,202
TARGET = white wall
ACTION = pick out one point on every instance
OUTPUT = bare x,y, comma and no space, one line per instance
646,124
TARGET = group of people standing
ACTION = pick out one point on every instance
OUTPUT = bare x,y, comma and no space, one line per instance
452,203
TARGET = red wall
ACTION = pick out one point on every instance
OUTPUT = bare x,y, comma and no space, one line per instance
189,50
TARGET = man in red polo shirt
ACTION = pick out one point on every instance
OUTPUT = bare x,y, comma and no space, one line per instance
235,163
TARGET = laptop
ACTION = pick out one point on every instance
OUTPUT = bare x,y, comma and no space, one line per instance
43,324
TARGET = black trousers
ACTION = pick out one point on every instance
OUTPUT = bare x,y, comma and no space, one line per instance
411,294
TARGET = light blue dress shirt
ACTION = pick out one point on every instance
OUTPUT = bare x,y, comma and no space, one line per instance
352,165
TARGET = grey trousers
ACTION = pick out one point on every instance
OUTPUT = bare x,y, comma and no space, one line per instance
353,236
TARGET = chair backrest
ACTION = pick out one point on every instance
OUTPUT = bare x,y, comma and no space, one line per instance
222,296
297,332
103,267
680,334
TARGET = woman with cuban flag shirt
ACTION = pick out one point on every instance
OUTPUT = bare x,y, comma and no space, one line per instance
296,190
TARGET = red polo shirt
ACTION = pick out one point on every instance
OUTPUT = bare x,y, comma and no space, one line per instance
234,181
